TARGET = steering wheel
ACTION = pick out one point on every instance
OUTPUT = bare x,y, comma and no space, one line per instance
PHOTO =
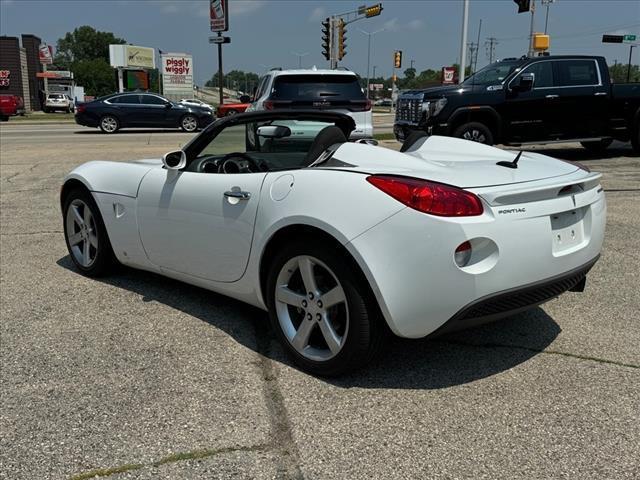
239,162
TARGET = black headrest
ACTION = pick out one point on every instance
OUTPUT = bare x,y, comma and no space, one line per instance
326,137
411,139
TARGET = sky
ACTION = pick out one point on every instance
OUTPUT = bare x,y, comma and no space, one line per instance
266,33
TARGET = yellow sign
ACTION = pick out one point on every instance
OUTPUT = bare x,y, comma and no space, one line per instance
540,41
142,57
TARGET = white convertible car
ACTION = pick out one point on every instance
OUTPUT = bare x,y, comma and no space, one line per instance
340,241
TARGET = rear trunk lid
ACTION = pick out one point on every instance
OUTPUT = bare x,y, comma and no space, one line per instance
455,162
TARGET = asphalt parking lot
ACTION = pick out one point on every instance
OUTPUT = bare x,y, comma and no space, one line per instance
136,376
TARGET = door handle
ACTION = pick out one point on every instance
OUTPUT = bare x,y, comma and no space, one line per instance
600,94
552,96
237,194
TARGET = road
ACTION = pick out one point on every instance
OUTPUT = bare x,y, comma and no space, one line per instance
134,376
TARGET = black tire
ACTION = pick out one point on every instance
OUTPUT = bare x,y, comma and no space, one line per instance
597,146
104,259
231,112
474,131
109,124
189,123
3,118
366,328
635,139
45,110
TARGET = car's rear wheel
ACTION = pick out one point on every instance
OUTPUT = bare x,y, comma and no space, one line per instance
86,235
189,123
597,146
322,312
109,124
635,139
231,112
475,132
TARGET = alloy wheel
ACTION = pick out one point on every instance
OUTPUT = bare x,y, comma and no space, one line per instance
109,124
311,307
82,233
189,123
474,135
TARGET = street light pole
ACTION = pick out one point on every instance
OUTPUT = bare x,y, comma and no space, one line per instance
463,40
533,13
369,35
300,55
546,3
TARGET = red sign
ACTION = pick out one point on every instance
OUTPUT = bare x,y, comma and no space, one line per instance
448,75
4,78
219,15
45,52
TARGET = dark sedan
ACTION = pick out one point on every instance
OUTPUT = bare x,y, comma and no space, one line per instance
141,110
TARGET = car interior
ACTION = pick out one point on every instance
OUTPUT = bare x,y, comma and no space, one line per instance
267,146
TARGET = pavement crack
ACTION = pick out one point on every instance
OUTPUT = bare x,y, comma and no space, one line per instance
549,352
281,430
44,232
173,458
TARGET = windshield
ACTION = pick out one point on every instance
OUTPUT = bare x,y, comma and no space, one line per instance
492,74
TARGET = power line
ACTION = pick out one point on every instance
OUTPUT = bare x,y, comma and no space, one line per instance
577,34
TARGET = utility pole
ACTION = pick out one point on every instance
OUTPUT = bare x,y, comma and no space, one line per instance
412,62
473,47
531,51
490,44
369,35
374,71
475,62
629,64
463,40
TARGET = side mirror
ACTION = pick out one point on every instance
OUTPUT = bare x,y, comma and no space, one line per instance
174,160
245,98
168,105
274,131
526,82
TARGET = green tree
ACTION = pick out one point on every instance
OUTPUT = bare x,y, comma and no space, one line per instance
84,43
618,73
96,76
235,79
85,52
410,73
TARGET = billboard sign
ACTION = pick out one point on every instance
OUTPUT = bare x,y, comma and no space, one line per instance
177,73
45,53
219,15
55,74
4,78
131,56
448,75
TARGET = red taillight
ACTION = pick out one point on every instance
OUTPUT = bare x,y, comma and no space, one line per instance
268,104
429,197
80,108
368,105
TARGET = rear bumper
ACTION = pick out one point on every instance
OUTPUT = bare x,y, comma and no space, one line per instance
409,262
510,302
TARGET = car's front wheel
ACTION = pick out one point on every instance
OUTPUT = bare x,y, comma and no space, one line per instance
189,123
86,235
109,124
475,132
322,311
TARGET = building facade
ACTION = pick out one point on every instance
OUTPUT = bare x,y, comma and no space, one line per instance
19,66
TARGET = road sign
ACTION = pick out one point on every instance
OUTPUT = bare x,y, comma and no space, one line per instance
612,38
219,15
629,38
219,39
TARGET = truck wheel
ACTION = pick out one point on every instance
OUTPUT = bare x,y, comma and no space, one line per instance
635,140
598,146
475,132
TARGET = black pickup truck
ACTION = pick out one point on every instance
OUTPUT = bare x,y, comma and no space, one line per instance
527,101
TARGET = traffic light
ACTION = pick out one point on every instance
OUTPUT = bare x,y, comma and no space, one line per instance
523,5
342,46
373,10
326,38
397,59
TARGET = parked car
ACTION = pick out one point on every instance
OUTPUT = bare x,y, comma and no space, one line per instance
58,102
528,100
335,238
335,90
123,110
10,105
227,109
383,102
195,101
